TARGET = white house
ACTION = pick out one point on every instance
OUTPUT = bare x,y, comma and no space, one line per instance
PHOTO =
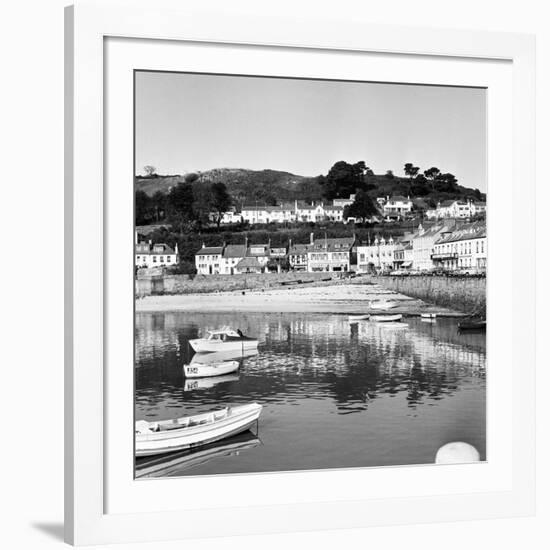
268,214
344,202
457,209
397,206
465,247
231,256
377,255
150,255
330,254
208,260
423,242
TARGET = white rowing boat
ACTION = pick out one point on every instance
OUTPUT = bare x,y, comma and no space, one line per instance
357,318
386,318
204,370
166,436
225,339
383,304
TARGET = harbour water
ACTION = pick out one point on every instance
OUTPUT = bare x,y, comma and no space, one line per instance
334,394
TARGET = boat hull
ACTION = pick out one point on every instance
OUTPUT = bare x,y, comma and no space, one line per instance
386,318
202,344
205,370
356,318
383,305
241,418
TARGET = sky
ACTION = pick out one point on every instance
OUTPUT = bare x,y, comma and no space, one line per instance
194,122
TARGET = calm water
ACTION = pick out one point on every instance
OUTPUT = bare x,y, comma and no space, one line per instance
335,395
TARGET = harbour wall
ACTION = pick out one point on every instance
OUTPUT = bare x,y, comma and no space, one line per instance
466,294
158,283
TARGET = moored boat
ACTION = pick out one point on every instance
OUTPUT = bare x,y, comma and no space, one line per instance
386,318
383,304
224,339
473,325
356,318
153,438
202,370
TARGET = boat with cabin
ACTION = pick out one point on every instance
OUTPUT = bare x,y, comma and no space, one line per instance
224,339
188,432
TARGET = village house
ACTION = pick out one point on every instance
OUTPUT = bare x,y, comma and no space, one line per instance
330,254
208,260
396,206
463,248
344,202
231,256
377,255
147,254
297,256
423,242
334,213
457,209
231,216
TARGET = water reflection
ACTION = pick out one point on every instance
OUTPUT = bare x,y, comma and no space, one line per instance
314,373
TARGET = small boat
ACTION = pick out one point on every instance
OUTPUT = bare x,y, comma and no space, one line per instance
473,325
383,304
192,384
224,339
203,370
175,463
178,434
356,318
386,318
428,315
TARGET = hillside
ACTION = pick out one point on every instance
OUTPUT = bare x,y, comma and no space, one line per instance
272,186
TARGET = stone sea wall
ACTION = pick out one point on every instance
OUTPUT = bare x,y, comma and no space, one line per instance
466,294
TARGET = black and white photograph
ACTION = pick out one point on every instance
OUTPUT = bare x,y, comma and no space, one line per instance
310,274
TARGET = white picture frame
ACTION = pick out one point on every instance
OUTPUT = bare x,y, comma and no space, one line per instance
103,504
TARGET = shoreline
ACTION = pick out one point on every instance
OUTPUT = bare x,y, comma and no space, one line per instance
333,299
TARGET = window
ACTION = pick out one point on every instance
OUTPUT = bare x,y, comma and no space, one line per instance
168,259
154,259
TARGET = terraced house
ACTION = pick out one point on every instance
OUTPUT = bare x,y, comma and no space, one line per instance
330,254
463,248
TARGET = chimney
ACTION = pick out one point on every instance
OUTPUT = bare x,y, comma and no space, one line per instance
289,244
176,248
203,244
136,239
311,238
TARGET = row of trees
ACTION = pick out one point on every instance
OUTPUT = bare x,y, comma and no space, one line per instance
188,203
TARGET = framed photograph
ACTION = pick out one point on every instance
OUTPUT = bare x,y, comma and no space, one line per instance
296,290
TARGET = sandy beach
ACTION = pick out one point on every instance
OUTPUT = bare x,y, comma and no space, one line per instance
341,298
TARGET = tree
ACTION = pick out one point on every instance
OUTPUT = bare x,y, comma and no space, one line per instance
431,175
445,183
158,205
343,179
412,172
221,200
362,207
389,175
143,208
179,205
150,171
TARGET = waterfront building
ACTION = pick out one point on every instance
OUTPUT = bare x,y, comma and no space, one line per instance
330,254
463,248
268,214
297,256
377,255
249,265
208,260
149,255
231,256
423,242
